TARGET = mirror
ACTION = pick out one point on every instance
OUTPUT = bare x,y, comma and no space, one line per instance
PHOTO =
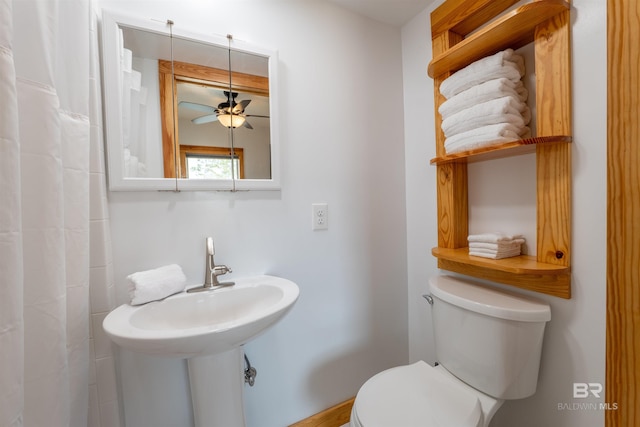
186,111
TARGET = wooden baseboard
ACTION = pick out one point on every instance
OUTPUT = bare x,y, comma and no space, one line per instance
335,416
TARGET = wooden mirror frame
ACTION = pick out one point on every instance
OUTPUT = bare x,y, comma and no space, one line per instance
184,72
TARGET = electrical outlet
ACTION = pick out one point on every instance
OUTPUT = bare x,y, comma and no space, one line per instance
320,216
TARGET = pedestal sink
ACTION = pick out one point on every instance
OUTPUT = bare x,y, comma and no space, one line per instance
208,329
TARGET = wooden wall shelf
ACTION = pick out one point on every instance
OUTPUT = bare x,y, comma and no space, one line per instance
499,151
523,271
513,30
462,32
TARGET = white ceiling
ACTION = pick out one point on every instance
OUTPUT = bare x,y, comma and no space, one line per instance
394,12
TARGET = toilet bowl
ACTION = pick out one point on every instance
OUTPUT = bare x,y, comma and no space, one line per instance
420,395
488,343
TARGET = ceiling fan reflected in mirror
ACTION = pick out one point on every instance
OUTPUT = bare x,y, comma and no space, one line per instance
229,113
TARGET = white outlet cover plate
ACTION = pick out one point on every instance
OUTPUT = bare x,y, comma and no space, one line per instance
320,216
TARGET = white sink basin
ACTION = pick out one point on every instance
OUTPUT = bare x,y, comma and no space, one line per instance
195,324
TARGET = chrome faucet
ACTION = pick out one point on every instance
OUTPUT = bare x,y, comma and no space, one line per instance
212,271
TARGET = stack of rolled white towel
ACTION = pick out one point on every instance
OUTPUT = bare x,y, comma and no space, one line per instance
486,103
495,245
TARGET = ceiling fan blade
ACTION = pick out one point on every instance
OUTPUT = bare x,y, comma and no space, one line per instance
198,107
240,106
255,115
205,119
247,125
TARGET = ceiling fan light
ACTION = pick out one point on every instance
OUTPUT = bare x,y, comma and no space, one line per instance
231,120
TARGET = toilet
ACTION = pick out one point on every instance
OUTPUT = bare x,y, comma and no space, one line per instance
488,345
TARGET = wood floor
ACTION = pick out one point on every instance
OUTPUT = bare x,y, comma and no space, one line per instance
336,416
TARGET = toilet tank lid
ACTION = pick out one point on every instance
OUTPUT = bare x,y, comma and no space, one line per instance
488,301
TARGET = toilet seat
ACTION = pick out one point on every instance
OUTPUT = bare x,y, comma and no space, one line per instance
416,395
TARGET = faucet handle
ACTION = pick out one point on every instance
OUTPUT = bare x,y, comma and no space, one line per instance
211,250
221,269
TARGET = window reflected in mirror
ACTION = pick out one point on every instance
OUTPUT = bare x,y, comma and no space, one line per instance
200,162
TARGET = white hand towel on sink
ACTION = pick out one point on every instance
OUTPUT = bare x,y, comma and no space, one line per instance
156,284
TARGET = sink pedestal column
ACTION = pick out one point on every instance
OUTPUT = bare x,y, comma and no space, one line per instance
217,384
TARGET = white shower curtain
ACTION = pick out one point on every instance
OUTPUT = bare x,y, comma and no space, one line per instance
46,97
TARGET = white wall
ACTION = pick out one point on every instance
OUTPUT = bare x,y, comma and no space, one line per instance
342,143
422,232
575,338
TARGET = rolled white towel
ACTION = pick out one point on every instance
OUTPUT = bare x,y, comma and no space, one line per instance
133,167
501,110
126,58
492,89
126,161
142,169
484,136
505,64
156,284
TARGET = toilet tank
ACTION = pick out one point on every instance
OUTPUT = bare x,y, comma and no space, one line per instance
488,338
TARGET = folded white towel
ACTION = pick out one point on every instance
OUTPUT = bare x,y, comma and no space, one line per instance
477,145
499,251
470,141
505,64
495,237
502,251
492,89
156,284
485,136
499,246
494,255
507,109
